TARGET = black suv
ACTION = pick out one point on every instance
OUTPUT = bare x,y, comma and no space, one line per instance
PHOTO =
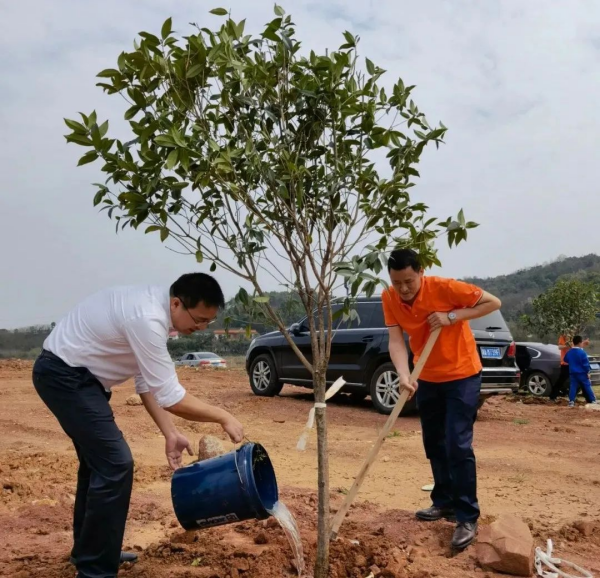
360,354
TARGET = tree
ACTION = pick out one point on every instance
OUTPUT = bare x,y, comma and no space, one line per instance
565,309
265,161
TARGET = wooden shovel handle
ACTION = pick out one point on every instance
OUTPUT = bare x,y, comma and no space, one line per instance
364,469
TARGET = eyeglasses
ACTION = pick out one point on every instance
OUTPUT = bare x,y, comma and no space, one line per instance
202,321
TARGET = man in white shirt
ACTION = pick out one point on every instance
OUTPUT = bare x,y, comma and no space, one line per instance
108,338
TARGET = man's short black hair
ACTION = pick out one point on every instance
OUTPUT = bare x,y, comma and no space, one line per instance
193,288
401,259
577,340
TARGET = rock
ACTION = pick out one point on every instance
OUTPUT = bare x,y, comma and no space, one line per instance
241,564
375,570
396,564
134,399
506,546
585,527
360,561
261,538
209,447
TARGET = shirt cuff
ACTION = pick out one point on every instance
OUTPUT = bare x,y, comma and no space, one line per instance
169,394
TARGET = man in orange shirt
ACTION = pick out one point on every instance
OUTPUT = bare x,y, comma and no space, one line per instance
448,391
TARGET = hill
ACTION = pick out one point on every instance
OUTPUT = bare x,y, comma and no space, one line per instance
518,289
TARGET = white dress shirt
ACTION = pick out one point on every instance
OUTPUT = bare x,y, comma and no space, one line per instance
120,333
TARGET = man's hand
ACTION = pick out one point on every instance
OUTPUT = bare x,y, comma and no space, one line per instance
586,342
175,444
437,320
404,383
233,428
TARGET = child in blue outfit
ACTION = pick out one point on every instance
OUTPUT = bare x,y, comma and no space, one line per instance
579,370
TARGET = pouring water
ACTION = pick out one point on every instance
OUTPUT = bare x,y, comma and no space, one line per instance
287,521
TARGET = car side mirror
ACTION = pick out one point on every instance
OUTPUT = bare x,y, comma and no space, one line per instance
297,329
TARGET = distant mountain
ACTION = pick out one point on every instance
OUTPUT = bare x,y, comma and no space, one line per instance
518,289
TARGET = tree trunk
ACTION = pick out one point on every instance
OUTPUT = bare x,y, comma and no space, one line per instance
322,562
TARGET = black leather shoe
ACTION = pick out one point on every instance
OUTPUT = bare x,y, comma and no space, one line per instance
125,557
434,513
464,535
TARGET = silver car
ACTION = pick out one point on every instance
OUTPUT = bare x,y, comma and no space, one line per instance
204,359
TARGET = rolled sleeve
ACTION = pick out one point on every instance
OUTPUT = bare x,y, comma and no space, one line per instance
147,338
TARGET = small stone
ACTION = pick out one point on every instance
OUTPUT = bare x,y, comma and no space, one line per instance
386,458
134,399
360,561
261,538
585,527
241,564
375,570
209,447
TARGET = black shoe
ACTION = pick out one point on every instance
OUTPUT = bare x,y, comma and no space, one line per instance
434,513
125,557
464,535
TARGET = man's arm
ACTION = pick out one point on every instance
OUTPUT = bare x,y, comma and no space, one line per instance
487,304
175,442
399,356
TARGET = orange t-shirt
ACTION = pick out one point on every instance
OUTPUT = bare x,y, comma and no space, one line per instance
562,340
454,356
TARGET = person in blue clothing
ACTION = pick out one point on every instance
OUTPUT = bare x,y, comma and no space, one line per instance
579,370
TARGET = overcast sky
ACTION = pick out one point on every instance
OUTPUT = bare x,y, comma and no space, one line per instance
517,84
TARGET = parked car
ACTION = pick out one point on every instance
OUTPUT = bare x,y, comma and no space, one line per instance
540,367
203,359
360,353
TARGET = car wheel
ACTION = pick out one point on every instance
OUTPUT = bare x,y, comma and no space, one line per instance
538,384
384,390
264,380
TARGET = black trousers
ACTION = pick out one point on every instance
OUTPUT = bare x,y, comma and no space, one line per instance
447,412
105,476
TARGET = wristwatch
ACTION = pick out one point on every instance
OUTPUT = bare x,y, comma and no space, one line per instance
452,317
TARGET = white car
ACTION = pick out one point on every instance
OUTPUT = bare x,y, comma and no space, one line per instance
202,359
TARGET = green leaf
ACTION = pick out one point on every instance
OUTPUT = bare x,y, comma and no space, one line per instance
279,10
370,67
98,197
194,70
108,73
199,256
262,299
79,139
152,228
76,126
96,138
103,128
88,157
166,28
213,267
164,233
164,140
131,112
349,39
172,159
219,12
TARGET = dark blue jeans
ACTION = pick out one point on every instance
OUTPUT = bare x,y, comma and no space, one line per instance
105,476
448,412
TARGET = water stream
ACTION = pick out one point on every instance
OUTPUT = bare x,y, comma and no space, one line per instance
287,521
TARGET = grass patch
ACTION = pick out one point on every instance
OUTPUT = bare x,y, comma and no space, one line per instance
520,421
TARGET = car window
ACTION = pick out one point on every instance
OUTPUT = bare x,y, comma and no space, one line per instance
207,356
491,322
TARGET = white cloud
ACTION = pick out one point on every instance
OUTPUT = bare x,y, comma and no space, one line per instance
515,82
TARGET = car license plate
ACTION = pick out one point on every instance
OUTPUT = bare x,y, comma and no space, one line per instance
595,366
491,353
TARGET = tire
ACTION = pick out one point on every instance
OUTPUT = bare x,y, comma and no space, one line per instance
538,384
264,380
384,390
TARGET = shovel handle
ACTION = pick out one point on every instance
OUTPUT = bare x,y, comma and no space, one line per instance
364,469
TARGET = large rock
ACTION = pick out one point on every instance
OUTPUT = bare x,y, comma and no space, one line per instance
134,399
209,447
506,546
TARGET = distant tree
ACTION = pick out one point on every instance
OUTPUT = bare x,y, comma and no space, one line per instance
567,308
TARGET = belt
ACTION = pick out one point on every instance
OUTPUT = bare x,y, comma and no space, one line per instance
49,355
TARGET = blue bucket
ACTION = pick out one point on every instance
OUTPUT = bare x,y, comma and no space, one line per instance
237,486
